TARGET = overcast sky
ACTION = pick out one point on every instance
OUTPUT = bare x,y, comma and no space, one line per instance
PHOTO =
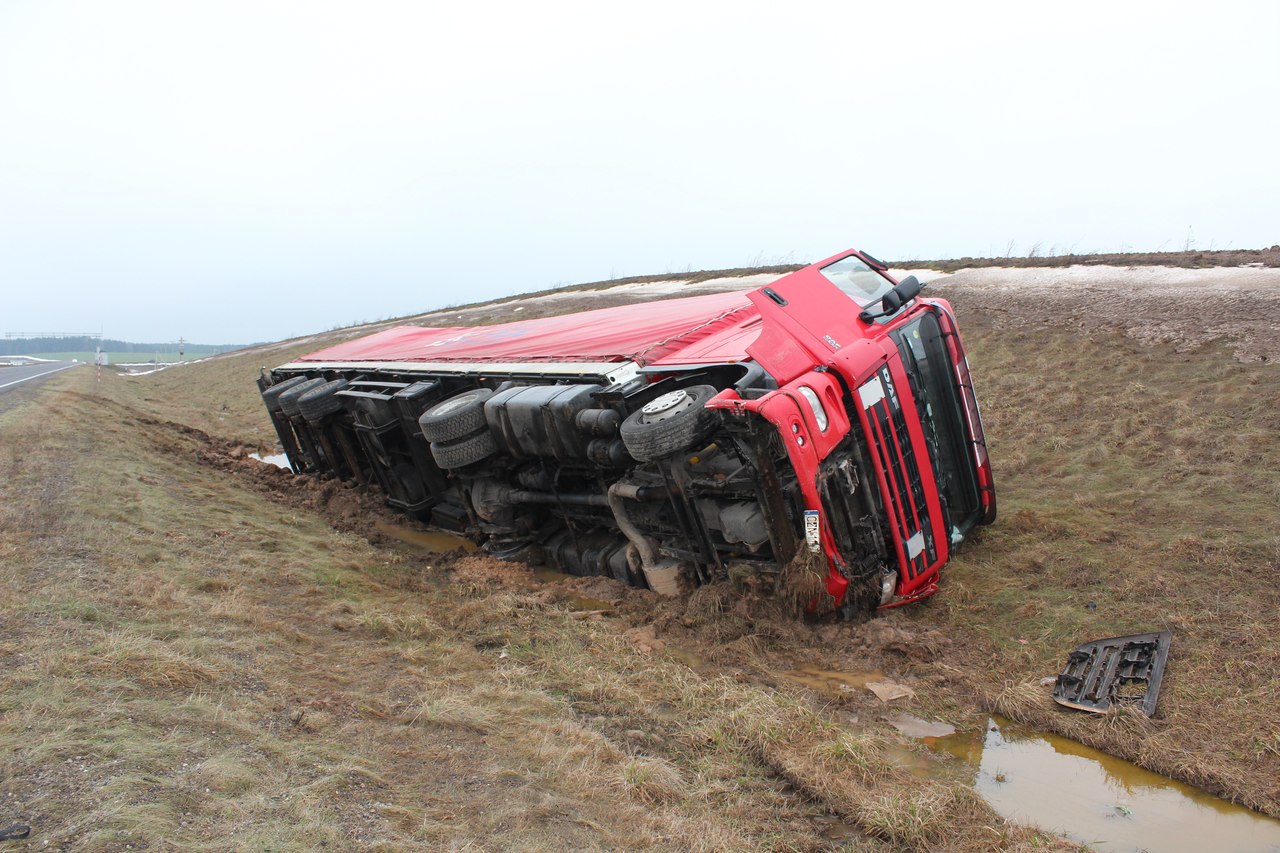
236,172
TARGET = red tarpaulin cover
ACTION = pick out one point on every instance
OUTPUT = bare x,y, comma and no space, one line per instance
695,330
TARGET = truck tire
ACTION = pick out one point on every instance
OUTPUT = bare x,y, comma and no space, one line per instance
271,396
464,451
460,415
289,399
676,421
321,401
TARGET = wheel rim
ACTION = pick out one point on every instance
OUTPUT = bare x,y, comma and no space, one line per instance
666,406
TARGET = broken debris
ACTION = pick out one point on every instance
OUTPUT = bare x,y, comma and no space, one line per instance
887,691
1116,672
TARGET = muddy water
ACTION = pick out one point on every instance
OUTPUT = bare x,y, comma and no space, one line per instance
1111,805
830,681
918,728
697,663
427,541
545,574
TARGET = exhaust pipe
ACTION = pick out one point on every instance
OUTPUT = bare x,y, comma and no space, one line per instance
661,576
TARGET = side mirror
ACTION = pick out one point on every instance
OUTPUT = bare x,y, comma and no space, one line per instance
906,290
909,288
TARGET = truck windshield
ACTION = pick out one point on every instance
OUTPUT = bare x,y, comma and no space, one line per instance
933,383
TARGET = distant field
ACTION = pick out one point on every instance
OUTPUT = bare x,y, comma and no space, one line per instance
123,357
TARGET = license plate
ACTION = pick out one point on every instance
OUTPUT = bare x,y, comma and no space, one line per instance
811,534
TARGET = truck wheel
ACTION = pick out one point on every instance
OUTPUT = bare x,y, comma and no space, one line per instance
668,424
321,401
289,399
464,451
461,414
271,396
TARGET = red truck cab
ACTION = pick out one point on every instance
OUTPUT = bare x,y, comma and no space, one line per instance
827,419
898,383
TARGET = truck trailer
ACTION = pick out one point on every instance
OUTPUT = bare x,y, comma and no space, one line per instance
825,424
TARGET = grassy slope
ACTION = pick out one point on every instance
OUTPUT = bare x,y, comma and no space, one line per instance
190,664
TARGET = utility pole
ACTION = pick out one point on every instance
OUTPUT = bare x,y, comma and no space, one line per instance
182,346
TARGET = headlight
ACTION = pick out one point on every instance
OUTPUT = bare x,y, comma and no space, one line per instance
819,413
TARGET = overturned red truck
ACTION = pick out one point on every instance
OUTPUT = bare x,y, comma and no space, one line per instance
828,417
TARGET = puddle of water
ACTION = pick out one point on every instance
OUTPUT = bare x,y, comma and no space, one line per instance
280,460
584,602
830,681
427,541
1098,799
546,574
833,829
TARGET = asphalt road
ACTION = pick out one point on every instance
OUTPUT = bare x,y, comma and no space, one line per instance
22,376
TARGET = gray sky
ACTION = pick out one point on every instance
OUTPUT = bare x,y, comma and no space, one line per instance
233,172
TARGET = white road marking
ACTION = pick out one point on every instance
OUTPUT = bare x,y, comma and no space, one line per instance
38,375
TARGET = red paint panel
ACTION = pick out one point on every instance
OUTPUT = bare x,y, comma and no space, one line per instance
717,328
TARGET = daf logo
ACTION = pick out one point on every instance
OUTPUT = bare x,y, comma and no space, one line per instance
831,341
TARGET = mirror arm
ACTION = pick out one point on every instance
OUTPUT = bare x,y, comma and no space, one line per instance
866,315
